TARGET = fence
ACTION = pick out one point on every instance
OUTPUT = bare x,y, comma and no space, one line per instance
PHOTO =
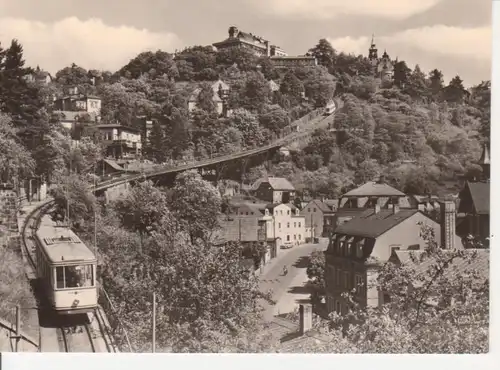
118,331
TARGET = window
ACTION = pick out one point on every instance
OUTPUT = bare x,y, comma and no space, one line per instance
59,277
288,213
299,224
359,248
288,225
288,238
346,279
294,224
358,280
348,249
309,210
300,237
327,221
394,247
247,213
294,237
279,225
74,276
281,213
338,307
314,209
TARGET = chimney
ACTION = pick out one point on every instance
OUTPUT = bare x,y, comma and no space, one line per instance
395,208
377,208
448,220
305,318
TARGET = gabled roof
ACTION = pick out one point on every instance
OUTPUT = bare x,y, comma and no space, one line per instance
481,262
322,205
371,225
277,183
480,195
373,189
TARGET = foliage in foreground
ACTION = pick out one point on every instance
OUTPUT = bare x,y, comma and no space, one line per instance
434,308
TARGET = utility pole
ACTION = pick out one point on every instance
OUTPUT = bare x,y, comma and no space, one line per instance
154,322
18,328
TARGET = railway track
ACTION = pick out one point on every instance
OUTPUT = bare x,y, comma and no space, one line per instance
75,334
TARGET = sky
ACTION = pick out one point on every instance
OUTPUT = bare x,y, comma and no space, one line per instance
451,35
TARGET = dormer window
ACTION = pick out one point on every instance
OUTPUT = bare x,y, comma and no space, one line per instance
359,248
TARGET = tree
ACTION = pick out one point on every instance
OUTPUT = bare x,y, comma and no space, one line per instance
438,303
82,203
455,90
160,62
324,53
73,75
436,82
256,92
274,118
156,141
15,161
292,87
319,86
197,203
417,85
248,125
316,273
401,74
142,208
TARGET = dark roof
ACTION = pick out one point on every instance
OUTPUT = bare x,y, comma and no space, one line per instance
128,128
372,189
277,183
371,225
480,194
114,165
480,263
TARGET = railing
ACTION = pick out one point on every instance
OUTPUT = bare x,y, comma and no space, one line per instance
118,331
286,135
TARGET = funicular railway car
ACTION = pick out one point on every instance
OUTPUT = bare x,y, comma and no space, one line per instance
66,267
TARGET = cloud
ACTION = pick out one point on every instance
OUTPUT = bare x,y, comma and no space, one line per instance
467,47
90,43
328,9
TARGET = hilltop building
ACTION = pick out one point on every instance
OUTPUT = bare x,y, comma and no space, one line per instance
262,48
382,67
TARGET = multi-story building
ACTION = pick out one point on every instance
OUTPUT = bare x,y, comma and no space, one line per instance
121,141
319,215
75,107
287,226
360,246
273,190
220,94
258,45
262,47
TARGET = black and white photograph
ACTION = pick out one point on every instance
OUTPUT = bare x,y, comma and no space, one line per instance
247,176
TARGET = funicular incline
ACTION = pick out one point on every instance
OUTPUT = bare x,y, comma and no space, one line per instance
299,129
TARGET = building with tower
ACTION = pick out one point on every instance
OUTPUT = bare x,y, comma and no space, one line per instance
475,204
383,67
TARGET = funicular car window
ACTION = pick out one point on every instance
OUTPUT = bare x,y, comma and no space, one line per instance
75,276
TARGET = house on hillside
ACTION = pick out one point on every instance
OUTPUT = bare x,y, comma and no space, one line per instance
359,247
220,93
367,196
121,141
273,189
320,217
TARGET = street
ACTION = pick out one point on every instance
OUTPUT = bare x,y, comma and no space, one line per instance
288,291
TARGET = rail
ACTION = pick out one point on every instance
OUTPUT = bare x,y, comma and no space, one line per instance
202,162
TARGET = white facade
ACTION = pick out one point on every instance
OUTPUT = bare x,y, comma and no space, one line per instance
287,225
